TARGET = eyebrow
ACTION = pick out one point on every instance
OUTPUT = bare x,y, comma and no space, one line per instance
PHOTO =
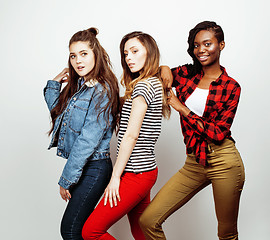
79,52
130,48
206,40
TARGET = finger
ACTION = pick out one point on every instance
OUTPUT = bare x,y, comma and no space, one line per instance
65,71
68,194
106,197
171,92
114,200
118,196
110,200
63,197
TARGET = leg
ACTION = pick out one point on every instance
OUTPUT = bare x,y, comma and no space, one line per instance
84,197
134,215
132,190
227,174
174,194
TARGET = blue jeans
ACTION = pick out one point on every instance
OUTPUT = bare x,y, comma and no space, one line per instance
84,197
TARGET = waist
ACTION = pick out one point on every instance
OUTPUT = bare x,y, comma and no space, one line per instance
226,146
99,155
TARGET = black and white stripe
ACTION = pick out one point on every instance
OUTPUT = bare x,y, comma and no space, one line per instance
142,158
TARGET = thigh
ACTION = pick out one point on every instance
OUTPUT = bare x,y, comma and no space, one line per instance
86,193
176,192
227,178
135,213
132,190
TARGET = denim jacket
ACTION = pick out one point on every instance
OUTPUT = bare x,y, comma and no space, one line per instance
81,135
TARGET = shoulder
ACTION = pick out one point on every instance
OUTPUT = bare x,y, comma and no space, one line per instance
152,83
229,82
182,71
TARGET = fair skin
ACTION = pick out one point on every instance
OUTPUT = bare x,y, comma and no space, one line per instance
136,55
82,59
207,50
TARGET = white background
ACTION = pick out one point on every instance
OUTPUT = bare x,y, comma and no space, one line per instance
34,48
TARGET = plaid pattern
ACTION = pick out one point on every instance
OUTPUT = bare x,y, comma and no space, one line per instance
218,114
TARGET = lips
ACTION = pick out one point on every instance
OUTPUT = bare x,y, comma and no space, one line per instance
130,65
203,58
80,68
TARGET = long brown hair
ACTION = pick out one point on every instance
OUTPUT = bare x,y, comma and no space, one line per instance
150,69
101,72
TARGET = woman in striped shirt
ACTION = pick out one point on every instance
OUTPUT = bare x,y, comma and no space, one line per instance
135,170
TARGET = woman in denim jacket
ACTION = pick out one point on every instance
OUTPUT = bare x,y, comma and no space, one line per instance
84,115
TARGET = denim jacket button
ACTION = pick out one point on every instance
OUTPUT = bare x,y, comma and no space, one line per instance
59,153
65,124
74,98
62,138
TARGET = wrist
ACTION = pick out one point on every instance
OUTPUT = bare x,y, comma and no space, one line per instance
115,176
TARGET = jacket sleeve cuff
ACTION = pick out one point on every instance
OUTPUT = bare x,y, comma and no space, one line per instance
64,183
53,84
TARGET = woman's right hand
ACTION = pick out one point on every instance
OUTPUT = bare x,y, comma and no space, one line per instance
166,76
62,76
112,192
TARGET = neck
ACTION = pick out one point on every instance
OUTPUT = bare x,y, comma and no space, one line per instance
212,70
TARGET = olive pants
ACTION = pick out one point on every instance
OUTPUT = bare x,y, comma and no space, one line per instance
226,174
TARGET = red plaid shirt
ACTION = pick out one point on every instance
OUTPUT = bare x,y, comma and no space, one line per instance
218,114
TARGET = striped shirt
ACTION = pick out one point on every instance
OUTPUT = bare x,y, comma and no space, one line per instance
142,158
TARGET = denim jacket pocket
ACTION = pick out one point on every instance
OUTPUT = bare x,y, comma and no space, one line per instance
77,115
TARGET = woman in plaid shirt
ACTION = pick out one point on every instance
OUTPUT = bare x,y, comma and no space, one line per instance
207,100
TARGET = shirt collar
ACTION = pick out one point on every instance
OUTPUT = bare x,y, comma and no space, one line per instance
219,80
88,83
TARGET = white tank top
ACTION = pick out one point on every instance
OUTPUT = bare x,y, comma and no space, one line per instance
197,100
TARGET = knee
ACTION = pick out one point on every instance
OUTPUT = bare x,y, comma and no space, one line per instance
146,221
65,231
86,233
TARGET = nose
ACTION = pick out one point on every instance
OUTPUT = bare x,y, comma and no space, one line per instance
201,49
78,59
127,57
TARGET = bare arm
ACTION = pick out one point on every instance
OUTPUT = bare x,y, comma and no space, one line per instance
166,76
128,142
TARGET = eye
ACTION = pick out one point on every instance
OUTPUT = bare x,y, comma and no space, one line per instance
207,44
72,56
196,45
134,51
84,54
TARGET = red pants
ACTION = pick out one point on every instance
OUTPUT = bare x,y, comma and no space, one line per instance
134,191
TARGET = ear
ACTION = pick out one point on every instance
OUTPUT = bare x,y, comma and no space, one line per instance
222,45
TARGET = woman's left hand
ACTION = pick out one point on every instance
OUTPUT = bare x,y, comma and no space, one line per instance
174,101
112,192
176,104
65,194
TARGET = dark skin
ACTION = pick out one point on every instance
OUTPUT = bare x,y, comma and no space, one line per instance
207,50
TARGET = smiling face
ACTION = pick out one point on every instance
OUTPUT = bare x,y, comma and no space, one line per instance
82,58
135,55
207,48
